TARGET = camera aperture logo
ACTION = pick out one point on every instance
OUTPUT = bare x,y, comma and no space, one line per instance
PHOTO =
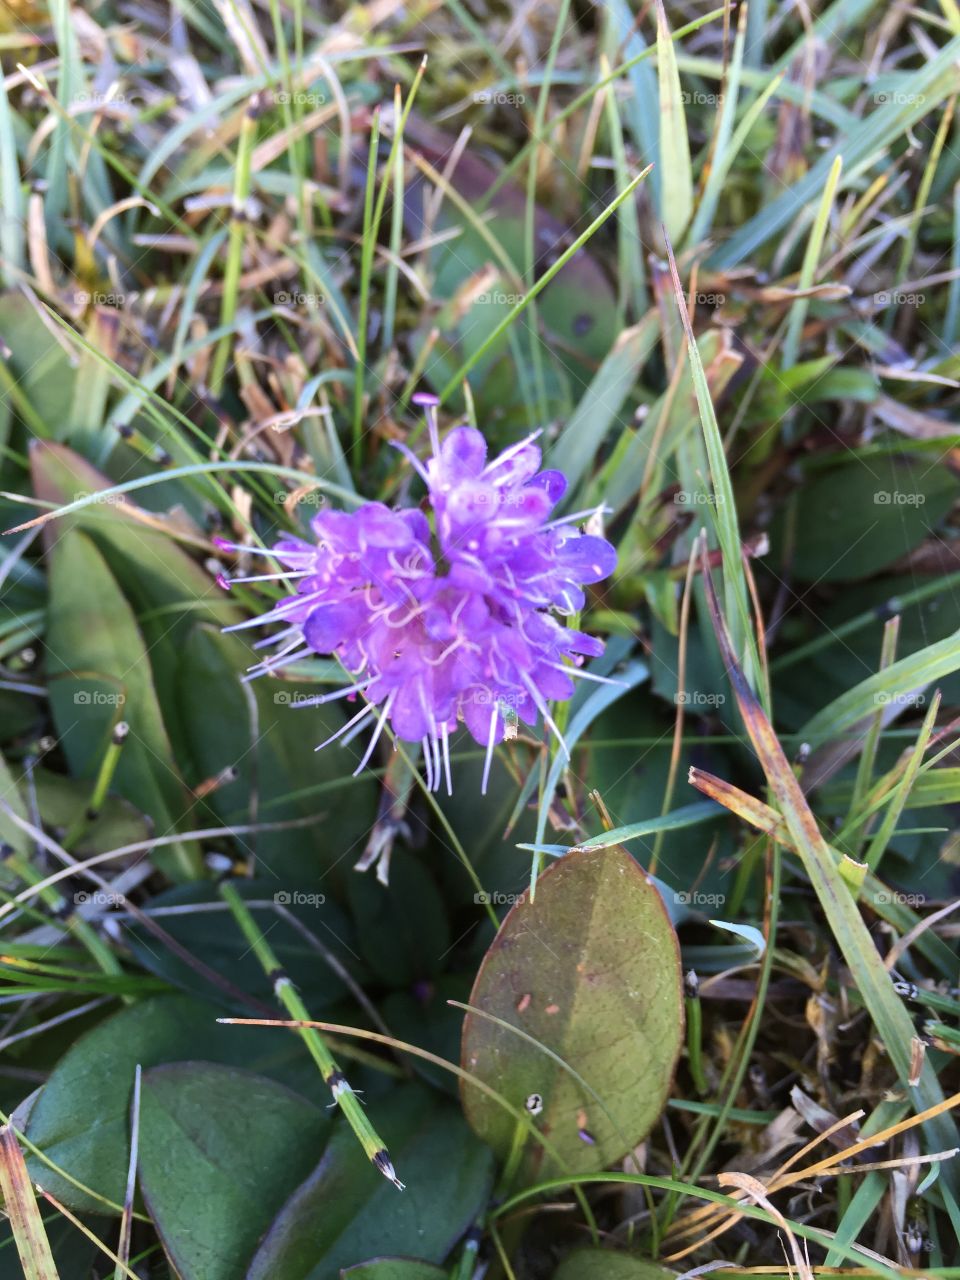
98,898
495,898
699,901
98,698
297,898
697,698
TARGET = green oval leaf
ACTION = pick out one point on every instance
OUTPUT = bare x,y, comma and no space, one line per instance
589,972
100,673
862,516
80,1119
221,1149
346,1210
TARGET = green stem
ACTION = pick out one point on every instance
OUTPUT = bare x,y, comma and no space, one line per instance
108,767
286,994
695,1043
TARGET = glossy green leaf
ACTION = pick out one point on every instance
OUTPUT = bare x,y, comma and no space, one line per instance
80,1118
10,833
221,1149
40,365
345,1211
257,730
165,585
100,674
861,516
63,802
589,973
403,929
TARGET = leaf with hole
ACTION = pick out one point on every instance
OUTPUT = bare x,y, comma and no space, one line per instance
589,975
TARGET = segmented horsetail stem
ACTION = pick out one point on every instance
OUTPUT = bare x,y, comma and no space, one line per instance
287,996
108,767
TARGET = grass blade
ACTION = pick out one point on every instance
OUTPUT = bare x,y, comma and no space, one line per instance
21,1208
852,937
677,172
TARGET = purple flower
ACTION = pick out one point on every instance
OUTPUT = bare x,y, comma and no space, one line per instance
449,618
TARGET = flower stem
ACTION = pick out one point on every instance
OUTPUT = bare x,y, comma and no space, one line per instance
333,1077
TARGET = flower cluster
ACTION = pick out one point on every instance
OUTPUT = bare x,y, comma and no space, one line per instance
451,617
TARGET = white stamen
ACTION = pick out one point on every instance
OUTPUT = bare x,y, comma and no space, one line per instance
270,577
292,653
429,764
318,699
436,759
585,675
375,737
512,451
368,707
491,743
279,638
276,614
430,413
445,734
548,719
579,515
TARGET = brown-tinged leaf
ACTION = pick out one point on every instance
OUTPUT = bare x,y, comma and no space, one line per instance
20,1205
589,976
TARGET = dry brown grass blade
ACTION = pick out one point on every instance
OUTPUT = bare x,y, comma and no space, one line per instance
715,1220
20,1204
